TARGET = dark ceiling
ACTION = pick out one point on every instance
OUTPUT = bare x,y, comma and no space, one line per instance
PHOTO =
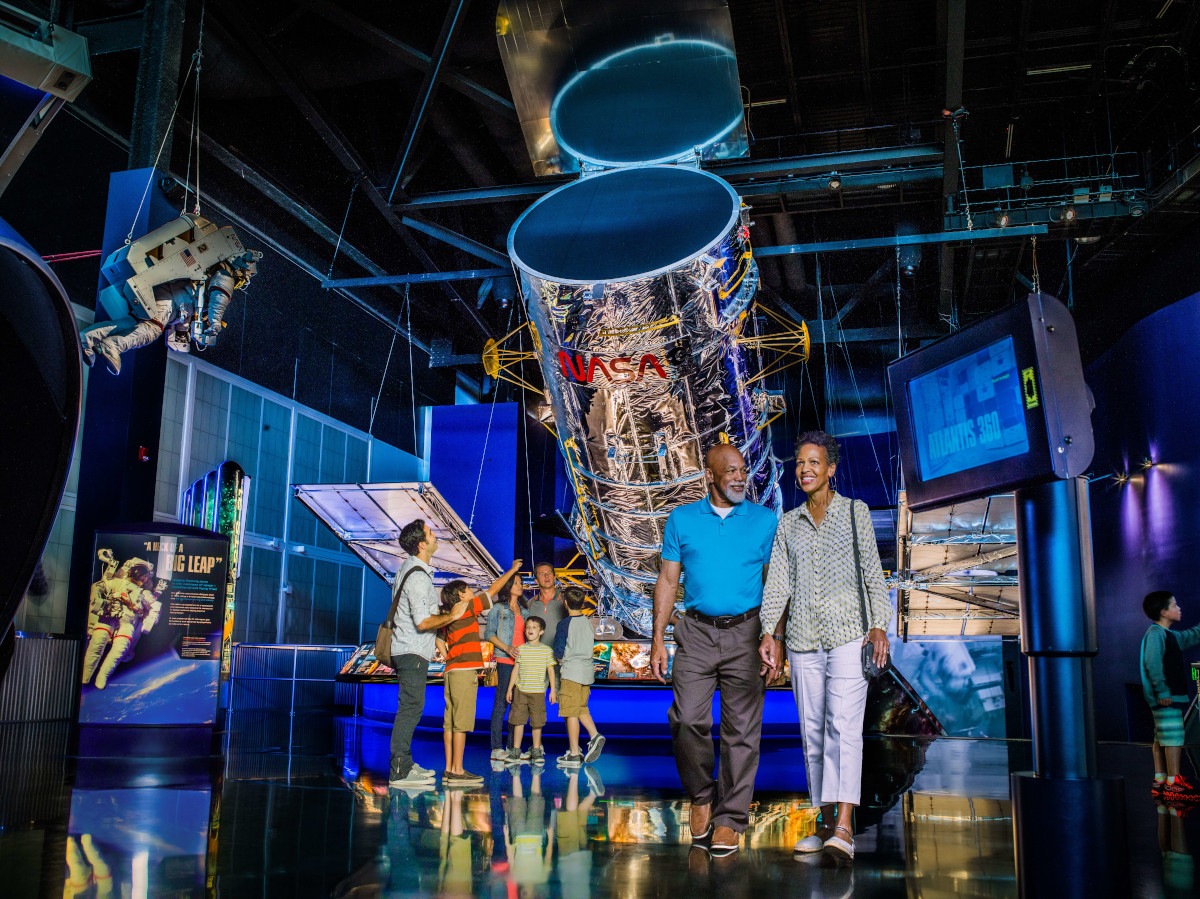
304,107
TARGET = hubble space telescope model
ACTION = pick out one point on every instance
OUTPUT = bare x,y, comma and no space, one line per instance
178,280
639,278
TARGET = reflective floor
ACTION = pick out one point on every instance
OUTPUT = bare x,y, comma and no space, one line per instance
301,808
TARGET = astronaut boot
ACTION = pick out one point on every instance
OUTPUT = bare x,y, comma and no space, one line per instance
111,661
112,358
95,652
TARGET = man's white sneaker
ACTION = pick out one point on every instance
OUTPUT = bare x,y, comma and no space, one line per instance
416,777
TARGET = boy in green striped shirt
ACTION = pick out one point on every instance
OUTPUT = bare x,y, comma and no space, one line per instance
527,692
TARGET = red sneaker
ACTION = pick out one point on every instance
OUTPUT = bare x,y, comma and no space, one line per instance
1181,789
1156,787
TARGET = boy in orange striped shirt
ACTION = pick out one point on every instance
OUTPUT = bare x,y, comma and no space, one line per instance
463,646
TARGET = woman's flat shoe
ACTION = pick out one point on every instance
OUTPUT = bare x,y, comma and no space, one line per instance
841,847
811,843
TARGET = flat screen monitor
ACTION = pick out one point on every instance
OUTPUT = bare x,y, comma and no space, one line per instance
993,407
969,412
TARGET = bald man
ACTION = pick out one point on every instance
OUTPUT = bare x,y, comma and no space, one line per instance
723,544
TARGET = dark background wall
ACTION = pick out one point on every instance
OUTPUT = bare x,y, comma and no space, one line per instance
1146,528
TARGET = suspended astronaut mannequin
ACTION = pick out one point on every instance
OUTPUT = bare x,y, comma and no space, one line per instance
177,281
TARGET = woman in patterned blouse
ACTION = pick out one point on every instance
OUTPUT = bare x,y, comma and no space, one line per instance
812,591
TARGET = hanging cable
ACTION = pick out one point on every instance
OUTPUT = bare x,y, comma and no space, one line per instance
412,380
488,433
383,379
1037,280
899,325
162,146
525,431
962,172
199,59
338,244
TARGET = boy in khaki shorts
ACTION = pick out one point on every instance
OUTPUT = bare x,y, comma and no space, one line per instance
462,643
527,692
574,643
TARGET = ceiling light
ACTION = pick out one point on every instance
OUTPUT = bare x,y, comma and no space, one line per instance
1054,70
887,185
1087,238
1000,218
835,181
1136,208
1063,214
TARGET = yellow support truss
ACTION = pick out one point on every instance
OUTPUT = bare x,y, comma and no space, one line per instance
792,344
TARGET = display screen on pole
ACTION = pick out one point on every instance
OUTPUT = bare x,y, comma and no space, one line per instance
969,412
993,407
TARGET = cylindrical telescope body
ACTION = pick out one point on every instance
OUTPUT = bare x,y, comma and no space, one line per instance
639,284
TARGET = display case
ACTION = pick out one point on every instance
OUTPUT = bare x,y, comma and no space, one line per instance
617,663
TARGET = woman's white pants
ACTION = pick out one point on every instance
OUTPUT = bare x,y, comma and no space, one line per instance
831,694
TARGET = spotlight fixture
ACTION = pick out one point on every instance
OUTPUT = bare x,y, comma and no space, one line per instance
1137,208
1064,214
1147,464
1001,218
1121,477
1087,239
835,181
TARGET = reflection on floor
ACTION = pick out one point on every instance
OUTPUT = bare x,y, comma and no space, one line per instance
302,808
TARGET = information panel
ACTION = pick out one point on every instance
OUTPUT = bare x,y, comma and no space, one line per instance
156,607
970,412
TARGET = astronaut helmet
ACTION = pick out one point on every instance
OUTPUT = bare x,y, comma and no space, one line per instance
139,571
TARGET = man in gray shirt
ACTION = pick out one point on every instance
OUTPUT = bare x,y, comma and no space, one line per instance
413,643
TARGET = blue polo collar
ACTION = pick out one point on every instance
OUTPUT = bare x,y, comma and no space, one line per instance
707,506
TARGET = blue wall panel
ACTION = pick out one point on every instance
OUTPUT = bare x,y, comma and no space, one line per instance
1145,531
478,445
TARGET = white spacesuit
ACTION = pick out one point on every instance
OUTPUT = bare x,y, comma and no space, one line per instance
99,594
175,281
128,610
174,313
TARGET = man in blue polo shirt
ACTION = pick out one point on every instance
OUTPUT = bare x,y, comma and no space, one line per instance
723,544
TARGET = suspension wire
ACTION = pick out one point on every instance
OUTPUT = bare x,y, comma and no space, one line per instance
379,393
1068,279
1037,280
525,430
899,324
196,110
962,173
412,379
337,246
488,433
162,146
883,478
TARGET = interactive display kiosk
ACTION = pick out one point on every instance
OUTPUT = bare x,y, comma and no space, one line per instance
1003,406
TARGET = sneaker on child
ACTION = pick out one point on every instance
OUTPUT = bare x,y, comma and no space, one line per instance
570,759
594,748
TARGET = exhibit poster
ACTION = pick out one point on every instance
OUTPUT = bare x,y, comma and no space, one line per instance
138,842
601,653
631,661
156,606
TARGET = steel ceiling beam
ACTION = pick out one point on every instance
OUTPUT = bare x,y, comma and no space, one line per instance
844,161
345,153
920,163
429,85
410,56
472,274
454,239
903,240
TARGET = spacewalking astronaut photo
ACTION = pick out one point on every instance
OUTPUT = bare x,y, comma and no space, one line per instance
123,606
155,616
